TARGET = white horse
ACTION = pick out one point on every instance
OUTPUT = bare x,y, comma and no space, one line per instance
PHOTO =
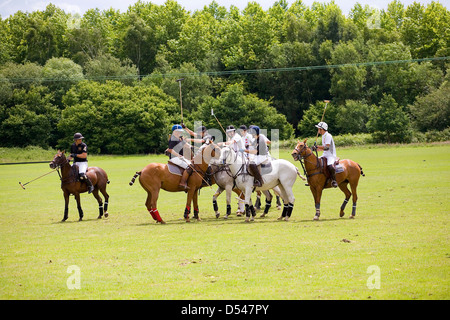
283,175
225,182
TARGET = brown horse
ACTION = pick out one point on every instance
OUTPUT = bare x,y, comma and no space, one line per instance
156,176
70,184
318,180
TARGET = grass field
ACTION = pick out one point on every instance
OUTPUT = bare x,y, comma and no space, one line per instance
396,248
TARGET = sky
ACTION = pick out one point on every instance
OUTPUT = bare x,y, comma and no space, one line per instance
9,7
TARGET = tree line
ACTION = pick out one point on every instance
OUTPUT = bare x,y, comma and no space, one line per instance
112,75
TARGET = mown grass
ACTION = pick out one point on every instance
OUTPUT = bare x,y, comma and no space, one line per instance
401,227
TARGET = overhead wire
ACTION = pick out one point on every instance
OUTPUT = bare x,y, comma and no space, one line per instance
226,72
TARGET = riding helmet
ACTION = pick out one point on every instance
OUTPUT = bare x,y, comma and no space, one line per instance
177,127
254,130
77,136
230,128
322,125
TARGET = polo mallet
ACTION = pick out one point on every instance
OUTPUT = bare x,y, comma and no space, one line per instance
181,99
321,120
212,113
23,185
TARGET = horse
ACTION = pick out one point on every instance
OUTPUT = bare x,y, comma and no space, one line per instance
222,176
156,176
282,173
318,180
70,184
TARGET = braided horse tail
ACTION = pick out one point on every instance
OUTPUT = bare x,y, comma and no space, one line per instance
134,177
362,173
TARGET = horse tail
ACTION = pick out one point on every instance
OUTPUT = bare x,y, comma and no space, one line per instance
362,173
134,177
299,174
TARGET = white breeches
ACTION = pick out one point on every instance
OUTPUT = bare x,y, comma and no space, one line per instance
82,166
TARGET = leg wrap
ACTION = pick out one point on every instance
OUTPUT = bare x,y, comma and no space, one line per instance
258,203
228,209
354,209
152,212
187,211
344,204
247,210
105,207
317,209
100,210
283,214
289,209
215,206
268,204
253,211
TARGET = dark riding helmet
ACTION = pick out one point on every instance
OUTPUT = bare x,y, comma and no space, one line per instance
77,136
254,130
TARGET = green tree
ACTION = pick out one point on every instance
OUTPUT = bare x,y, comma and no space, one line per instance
388,122
60,74
29,119
116,118
346,82
45,34
352,116
105,67
432,111
234,107
313,115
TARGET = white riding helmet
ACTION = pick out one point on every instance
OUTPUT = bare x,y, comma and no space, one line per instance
322,125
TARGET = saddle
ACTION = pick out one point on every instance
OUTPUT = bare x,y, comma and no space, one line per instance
174,169
177,170
264,168
336,165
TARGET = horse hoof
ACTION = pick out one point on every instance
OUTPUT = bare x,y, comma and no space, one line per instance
286,219
63,220
341,214
280,218
187,220
99,217
217,215
263,215
226,216
316,217
106,214
252,218
162,222
352,217
247,220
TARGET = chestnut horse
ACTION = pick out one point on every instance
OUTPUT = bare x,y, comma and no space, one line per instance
70,184
156,176
318,181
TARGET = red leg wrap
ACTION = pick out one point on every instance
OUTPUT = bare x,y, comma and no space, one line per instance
158,217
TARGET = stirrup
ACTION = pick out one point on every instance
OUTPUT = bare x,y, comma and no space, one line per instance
185,187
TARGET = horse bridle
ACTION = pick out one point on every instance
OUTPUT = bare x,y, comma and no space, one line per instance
299,153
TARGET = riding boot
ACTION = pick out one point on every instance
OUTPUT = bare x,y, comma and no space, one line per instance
89,185
254,171
183,182
333,176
